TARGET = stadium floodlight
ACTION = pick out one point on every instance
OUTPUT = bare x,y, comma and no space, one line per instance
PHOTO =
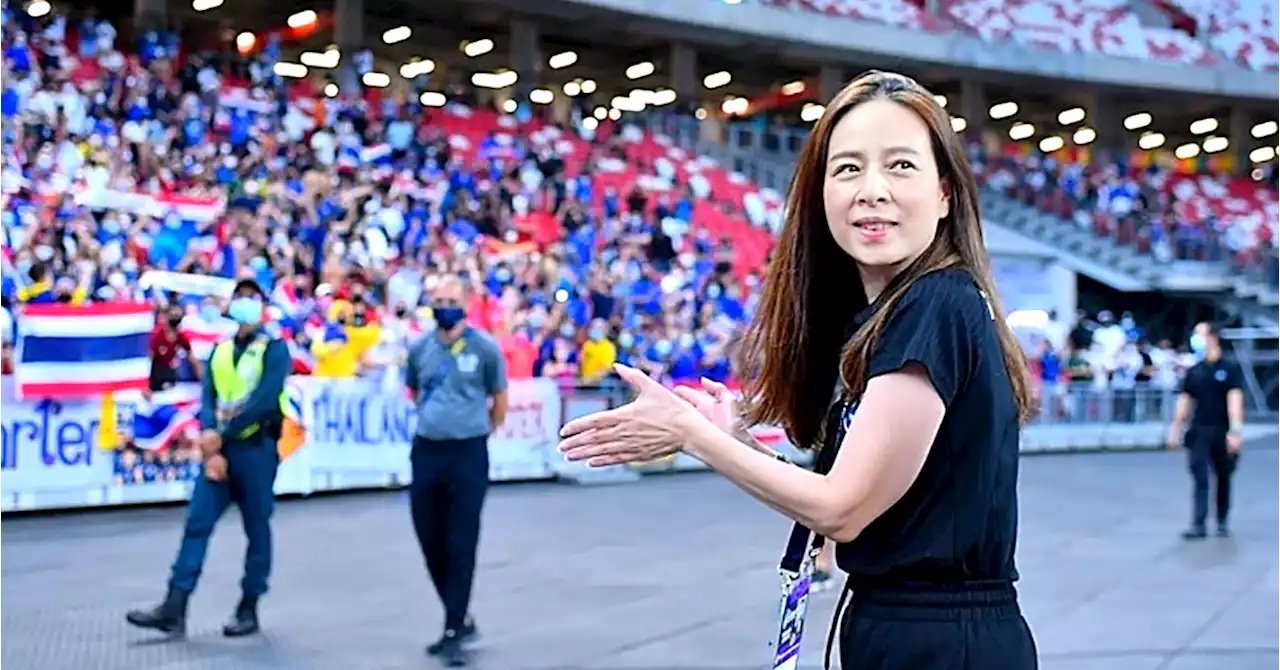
1262,154
1021,131
541,96
1215,144
732,2
1264,129
562,60
590,123
717,79
958,124
640,70
626,104
1051,144
293,70
793,88
397,34
432,99
811,112
734,106
1189,150
1151,141
1204,126
941,100
203,5
302,19
1084,136
1003,110
572,88
1071,116
245,42
330,90
615,114
1136,121
477,48
600,113
326,60
588,86
641,95
417,67
376,79
501,79
509,106
662,96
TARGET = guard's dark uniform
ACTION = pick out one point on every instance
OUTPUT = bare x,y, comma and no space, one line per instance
931,580
251,470
1207,383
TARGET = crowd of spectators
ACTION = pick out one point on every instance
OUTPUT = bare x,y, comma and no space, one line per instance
132,174
1154,208
139,176
1100,368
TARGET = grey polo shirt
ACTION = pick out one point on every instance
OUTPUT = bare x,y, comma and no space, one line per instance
454,385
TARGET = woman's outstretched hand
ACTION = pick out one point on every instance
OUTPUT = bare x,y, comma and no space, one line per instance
654,425
715,402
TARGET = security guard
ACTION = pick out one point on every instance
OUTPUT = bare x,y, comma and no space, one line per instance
242,411
1214,388
459,382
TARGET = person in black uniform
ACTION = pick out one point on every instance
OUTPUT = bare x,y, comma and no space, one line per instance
880,293
1212,395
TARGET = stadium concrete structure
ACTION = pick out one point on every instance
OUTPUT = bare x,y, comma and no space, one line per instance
1045,75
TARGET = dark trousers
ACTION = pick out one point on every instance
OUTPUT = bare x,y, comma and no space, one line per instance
1207,450
936,628
450,479
251,475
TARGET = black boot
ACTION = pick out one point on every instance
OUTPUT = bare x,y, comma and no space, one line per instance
169,616
245,620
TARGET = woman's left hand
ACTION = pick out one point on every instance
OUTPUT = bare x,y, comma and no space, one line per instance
650,427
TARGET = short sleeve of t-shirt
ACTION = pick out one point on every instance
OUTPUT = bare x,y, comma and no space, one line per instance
933,325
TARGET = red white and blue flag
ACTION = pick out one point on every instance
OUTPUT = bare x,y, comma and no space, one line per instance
68,351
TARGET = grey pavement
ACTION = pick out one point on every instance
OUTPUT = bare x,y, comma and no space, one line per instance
675,571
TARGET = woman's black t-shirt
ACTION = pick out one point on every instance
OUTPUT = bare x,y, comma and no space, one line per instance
959,520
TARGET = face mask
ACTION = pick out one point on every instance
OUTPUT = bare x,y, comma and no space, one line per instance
537,320
566,331
448,316
686,341
626,340
210,313
401,312
246,311
663,347
174,320
1198,345
597,333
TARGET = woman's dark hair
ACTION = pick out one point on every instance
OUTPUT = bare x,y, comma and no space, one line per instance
796,343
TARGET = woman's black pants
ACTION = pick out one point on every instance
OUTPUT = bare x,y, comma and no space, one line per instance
965,626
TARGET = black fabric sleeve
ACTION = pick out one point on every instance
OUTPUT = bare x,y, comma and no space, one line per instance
933,325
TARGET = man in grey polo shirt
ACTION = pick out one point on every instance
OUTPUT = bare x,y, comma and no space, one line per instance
458,379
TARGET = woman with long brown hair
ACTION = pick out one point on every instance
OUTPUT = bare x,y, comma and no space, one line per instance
879,343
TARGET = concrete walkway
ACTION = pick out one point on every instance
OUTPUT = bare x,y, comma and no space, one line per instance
672,572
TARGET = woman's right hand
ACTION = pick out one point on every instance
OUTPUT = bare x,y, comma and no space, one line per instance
715,402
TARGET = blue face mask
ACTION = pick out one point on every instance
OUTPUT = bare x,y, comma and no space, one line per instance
1198,345
246,311
597,333
448,316
210,313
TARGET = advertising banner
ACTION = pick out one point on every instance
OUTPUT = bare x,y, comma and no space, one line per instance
358,434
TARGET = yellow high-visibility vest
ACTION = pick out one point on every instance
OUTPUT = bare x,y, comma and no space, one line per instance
234,381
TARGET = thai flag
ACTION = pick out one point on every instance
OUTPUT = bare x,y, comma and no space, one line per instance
168,414
67,351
